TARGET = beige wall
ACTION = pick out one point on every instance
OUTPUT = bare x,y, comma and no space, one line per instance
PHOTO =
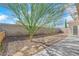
67,31
13,30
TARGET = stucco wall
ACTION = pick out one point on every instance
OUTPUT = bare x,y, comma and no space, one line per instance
13,30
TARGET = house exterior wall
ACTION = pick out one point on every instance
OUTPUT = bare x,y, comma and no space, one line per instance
72,24
67,31
71,31
78,30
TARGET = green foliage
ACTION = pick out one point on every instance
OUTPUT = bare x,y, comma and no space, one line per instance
34,16
1,47
65,23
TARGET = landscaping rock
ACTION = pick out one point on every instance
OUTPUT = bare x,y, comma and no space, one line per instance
24,48
18,54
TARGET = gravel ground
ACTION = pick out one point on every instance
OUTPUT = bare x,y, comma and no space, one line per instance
13,44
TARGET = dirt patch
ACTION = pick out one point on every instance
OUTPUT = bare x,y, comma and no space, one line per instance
14,44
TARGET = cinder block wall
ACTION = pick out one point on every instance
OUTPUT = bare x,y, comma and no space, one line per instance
18,30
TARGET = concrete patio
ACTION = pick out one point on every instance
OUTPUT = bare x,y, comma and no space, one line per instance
67,47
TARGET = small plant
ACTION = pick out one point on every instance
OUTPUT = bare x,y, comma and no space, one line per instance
1,47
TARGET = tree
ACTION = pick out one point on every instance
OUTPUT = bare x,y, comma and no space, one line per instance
75,11
65,23
34,16
77,8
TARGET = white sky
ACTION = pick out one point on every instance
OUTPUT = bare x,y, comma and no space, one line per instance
3,17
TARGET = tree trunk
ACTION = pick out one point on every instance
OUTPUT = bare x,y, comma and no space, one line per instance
30,37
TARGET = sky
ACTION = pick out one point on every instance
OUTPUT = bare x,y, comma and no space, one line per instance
5,16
